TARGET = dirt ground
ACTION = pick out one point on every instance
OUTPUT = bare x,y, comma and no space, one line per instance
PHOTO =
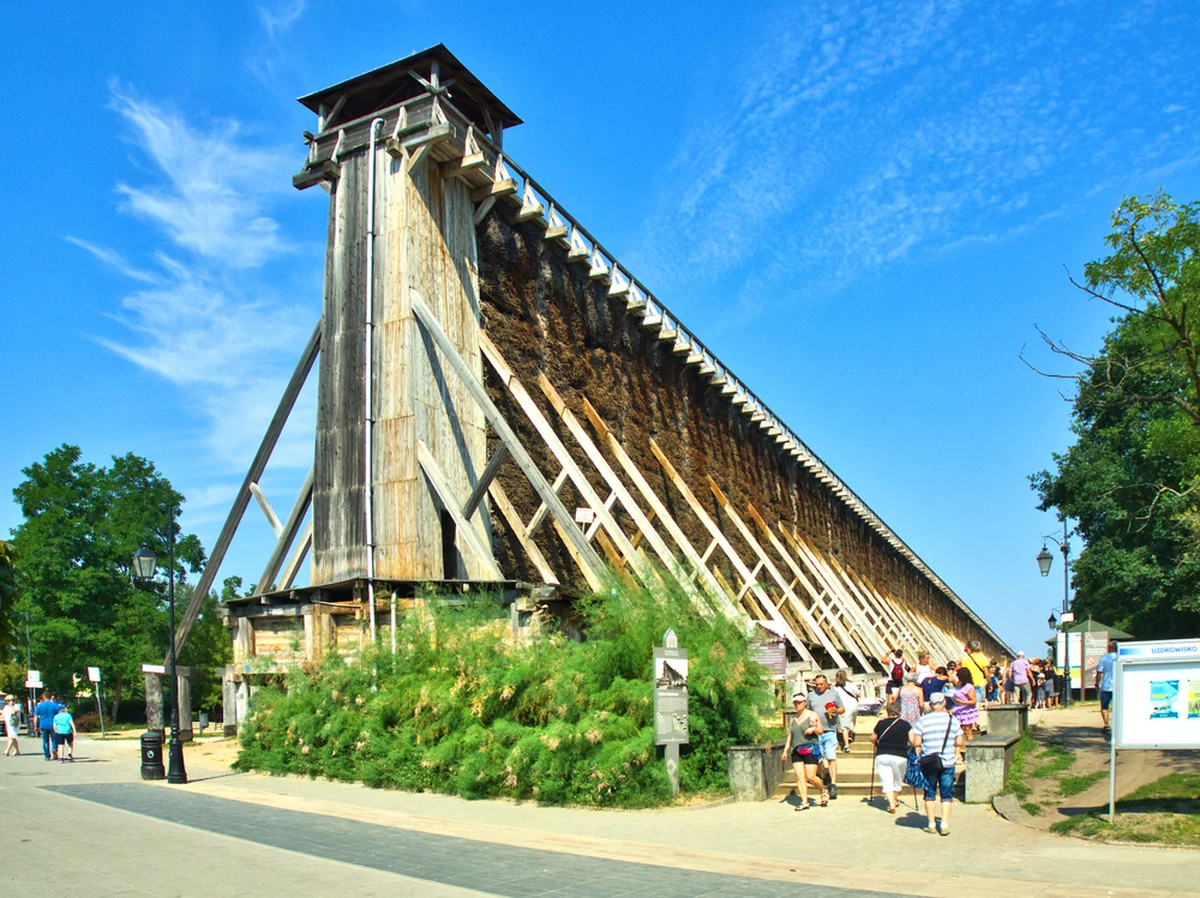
1077,729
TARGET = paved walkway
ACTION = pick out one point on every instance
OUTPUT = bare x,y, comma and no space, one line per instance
231,834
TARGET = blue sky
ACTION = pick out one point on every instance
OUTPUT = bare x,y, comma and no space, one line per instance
863,209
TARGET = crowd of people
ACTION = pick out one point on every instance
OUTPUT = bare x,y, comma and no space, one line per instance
51,721
932,711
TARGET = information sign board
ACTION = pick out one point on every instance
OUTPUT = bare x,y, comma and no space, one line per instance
772,654
1157,694
670,696
94,674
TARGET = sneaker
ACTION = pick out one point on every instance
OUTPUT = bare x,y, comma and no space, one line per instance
833,790
930,828
945,830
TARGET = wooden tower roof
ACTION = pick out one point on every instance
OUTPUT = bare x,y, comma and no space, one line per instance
406,78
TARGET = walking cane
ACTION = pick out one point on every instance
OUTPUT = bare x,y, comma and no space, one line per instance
871,789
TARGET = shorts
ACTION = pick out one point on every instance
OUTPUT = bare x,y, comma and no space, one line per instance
891,770
1022,690
943,783
810,758
828,740
1105,699
894,685
61,739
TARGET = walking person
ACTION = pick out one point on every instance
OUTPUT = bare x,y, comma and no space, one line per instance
1104,682
848,693
64,735
939,740
911,699
1020,678
803,749
896,667
966,703
825,703
44,713
9,717
891,739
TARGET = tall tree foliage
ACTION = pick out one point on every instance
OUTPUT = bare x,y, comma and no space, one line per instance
82,525
8,597
1132,478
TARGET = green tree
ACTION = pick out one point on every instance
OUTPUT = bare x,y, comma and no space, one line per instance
8,598
82,524
1130,479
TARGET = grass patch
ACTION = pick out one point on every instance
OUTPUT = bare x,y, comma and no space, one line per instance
1173,786
1054,760
1073,785
1032,807
1165,812
1014,780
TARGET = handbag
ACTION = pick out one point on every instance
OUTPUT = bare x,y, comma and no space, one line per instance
931,765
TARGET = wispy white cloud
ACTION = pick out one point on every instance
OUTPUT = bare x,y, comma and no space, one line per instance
277,19
114,260
208,317
280,17
863,135
212,198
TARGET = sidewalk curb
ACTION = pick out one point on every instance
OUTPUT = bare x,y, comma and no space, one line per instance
1010,809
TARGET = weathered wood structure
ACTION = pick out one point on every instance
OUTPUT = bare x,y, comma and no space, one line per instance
501,404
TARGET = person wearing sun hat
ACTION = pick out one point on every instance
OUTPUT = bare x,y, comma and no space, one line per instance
10,726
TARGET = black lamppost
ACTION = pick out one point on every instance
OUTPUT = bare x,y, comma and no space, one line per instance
1045,560
144,564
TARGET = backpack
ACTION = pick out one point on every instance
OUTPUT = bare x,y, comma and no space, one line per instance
898,669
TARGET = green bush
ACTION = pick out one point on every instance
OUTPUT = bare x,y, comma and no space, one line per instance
459,710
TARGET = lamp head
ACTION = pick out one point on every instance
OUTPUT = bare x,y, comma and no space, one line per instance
1044,560
144,562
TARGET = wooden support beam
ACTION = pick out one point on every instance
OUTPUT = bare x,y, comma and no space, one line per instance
242,499
464,531
267,510
543,509
287,535
721,595
799,607
485,480
738,565
864,628
817,598
641,521
534,414
590,564
293,566
513,519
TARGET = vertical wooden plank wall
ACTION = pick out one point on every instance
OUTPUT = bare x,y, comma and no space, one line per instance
425,241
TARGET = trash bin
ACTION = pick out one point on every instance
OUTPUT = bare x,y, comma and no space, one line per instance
152,756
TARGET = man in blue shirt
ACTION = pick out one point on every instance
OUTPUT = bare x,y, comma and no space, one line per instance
1104,682
44,712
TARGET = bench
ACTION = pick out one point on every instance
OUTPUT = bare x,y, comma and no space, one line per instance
987,760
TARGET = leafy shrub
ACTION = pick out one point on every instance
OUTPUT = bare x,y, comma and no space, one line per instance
459,710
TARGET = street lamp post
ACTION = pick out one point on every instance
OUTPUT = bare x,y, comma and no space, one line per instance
1045,560
144,565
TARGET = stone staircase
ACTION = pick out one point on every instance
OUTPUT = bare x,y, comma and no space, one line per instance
855,768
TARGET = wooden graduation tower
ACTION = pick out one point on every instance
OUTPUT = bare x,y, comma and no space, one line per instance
502,405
